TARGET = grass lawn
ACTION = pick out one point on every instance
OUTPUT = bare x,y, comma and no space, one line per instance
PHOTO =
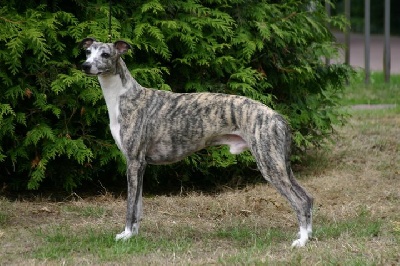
378,92
356,185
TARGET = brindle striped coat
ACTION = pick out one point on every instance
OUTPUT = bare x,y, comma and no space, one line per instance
159,127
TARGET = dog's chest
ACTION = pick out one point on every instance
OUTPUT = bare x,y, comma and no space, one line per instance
112,90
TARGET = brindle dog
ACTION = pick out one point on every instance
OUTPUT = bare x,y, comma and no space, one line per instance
160,127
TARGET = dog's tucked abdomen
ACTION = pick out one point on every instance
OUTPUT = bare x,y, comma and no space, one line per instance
163,153
186,123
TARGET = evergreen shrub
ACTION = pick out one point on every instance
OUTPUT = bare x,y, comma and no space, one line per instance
53,119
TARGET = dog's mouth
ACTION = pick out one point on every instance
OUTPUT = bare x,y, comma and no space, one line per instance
92,74
93,71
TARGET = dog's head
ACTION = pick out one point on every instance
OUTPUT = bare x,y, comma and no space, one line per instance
102,58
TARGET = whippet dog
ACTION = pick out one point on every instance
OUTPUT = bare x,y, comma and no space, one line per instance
160,127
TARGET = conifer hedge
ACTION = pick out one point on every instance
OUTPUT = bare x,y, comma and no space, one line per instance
53,119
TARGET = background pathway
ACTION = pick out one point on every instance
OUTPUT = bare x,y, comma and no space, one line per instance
377,44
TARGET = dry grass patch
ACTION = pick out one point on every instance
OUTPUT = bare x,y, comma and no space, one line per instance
357,215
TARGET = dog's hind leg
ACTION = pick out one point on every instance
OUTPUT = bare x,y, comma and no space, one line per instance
303,202
272,152
135,173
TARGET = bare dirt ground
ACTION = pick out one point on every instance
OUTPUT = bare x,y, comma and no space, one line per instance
356,185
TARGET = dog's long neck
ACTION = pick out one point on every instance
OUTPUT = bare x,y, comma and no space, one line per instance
120,79
113,86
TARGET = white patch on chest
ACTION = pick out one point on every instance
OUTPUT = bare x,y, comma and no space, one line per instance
112,89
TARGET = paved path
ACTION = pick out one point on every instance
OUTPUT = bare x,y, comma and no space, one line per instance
377,43
373,106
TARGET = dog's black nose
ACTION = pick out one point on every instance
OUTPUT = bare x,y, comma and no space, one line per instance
86,67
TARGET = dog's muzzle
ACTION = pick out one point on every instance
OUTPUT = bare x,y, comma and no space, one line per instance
86,67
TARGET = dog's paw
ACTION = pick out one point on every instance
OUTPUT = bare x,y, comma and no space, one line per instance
303,236
125,235
299,243
128,232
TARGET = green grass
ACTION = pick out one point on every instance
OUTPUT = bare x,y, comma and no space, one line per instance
86,211
377,92
59,243
63,242
362,226
3,218
251,236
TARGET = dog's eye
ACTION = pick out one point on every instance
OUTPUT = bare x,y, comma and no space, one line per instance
105,55
88,52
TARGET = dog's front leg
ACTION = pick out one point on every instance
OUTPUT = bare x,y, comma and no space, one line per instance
135,173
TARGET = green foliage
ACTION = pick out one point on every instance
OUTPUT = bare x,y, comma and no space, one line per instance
52,117
53,120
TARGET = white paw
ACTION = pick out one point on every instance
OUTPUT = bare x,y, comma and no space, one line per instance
303,236
299,243
125,235
128,233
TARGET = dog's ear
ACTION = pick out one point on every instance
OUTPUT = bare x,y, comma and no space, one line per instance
122,46
87,42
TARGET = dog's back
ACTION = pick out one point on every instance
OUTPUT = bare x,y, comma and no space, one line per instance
178,124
